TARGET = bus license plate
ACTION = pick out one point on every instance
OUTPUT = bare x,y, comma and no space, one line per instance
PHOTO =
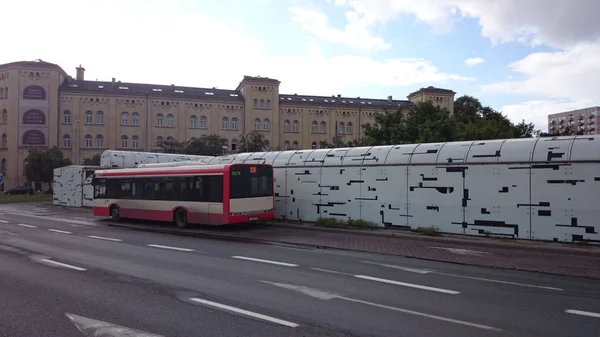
253,218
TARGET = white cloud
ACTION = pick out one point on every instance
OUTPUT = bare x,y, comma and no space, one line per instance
175,46
354,35
473,61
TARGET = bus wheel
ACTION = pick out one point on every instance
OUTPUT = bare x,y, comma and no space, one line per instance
181,218
114,213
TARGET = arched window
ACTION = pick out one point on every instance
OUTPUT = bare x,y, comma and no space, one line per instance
89,117
286,126
159,119
323,127
313,145
88,140
3,166
255,103
295,145
349,128
262,103
193,122
124,141
257,124
266,124
100,141
135,142
266,142
5,92
225,123
341,128
286,145
100,117
124,118
170,120
1,93
4,140
296,126
268,104
159,142
66,141
313,128
135,118
233,145
66,116
234,123
170,139
203,122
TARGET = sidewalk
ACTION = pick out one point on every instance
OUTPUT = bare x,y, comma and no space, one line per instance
554,258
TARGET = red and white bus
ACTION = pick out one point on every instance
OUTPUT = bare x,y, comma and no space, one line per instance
195,194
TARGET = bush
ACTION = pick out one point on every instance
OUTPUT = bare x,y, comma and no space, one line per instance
429,231
352,223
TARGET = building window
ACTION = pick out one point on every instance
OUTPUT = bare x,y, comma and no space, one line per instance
135,118
124,140
349,128
89,117
286,145
268,104
66,116
266,125
124,118
100,117
313,145
314,127
225,123
3,166
295,145
66,141
170,120
262,103
4,140
323,127
99,141
266,142
255,103
234,123
341,128
203,122
233,145
88,141
257,124
286,126
159,142
159,120
135,142
193,122
295,126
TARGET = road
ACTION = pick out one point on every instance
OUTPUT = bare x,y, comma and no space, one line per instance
68,277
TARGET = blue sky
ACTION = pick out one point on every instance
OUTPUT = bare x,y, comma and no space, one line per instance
531,66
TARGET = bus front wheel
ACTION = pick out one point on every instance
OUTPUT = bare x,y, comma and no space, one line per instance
181,218
114,213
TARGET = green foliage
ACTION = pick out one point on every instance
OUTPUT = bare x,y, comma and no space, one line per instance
206,145
252,142
93,160
41,164
349,224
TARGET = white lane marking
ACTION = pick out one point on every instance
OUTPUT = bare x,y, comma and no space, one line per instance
331,271
94,327
498,281
461,251
325,295
171,248
412,270
245,312
104,238
410,285
26,225
4,221
60,264
583,313
265,261
59,231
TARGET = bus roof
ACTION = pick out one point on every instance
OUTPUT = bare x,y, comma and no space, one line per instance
158,171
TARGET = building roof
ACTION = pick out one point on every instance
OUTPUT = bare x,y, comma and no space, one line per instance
339,101
33,64
154,90
431,90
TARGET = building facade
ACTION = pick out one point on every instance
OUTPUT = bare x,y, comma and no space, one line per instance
42,106
584,120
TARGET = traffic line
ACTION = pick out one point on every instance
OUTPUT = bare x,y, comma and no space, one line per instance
332,271
26,225
59,231
171,248
501,282
583,313
104,238
245,312
60,264
410,285
265,261
4,221
412,270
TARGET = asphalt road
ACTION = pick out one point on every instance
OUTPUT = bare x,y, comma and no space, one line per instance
66,278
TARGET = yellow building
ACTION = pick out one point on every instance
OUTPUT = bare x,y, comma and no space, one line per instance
42,106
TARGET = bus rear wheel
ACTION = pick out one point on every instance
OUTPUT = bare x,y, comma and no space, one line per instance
180,218
115,214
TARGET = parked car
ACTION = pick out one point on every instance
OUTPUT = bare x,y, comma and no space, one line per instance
20,190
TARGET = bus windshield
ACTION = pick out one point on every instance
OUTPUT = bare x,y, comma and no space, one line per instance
251,181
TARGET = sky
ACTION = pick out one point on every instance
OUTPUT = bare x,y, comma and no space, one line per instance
526,58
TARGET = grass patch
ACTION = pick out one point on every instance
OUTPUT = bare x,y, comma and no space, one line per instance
346,224
429,231
6,199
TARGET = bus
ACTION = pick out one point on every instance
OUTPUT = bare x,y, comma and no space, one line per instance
195,194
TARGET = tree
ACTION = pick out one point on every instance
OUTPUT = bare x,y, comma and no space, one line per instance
252,142
93,160
206,145
41,164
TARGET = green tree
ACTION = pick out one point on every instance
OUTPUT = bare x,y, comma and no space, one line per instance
206,145
93,160
388,128
252,142
41,164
